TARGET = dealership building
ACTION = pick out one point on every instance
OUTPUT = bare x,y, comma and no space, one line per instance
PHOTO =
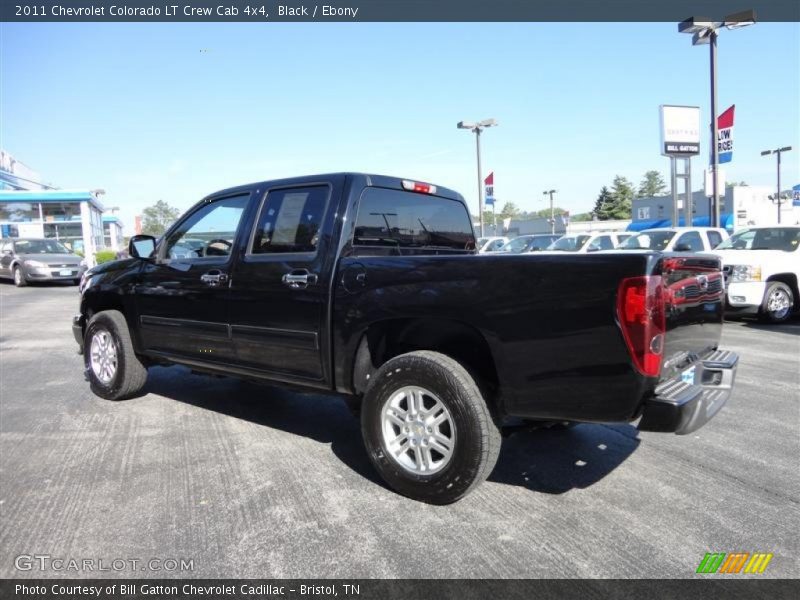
740,206
73,217
32,209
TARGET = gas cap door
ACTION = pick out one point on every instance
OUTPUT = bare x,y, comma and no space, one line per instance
354,278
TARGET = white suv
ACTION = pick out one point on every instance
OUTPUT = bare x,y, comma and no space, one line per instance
762,268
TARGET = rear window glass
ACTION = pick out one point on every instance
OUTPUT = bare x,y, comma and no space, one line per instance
392,218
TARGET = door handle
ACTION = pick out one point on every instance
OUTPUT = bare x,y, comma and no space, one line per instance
299,279
214,278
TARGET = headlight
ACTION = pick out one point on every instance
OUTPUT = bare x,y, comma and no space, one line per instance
742,273
84,263
36,264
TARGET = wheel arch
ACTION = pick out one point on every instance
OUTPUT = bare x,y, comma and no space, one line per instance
460,341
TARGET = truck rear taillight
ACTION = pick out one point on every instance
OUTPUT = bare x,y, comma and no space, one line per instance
416,186
641,314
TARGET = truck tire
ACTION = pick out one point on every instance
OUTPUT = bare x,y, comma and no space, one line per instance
778,303
112,367
427,428
19,277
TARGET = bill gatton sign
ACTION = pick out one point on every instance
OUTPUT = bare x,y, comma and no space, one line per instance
680,130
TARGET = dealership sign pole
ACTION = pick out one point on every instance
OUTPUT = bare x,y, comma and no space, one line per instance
680,138
488,189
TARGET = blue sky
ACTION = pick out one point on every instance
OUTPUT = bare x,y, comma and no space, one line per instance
174,111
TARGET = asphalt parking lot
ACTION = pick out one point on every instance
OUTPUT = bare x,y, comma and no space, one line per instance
252,481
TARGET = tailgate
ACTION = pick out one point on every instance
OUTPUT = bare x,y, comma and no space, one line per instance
694,298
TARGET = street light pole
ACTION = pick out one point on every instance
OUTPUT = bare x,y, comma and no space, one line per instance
714,131
552,213
480,174
704,31
777,152
477,128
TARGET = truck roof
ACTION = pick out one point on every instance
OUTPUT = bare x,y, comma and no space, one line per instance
366,179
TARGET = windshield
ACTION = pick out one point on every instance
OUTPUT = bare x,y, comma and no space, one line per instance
40,247
572,243
648,240
770,238
516,245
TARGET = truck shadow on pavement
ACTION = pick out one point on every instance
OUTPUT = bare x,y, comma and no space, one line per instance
547,460
555,461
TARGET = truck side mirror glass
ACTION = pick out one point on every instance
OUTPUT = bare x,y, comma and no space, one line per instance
684,247
142,246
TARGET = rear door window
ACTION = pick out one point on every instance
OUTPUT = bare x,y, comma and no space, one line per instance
290,220
395,219
691,239
714,238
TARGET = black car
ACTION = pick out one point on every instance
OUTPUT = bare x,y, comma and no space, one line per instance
370,286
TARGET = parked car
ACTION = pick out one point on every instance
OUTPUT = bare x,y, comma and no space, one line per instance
583,243
529,243
368,286
490,244
676,239
762,270
26,260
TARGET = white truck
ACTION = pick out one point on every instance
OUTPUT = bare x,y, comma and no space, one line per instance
761,266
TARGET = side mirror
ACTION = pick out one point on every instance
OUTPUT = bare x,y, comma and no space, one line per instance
142,246
683,247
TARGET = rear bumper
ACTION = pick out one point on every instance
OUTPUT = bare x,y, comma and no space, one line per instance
683,407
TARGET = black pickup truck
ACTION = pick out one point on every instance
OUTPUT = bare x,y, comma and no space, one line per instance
370,286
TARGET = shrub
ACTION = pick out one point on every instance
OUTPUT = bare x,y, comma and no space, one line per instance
104,256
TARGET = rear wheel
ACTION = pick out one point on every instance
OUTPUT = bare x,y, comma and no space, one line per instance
778,302
427,428
113,369
19,277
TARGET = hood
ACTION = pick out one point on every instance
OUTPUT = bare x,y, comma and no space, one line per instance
113,265
51,259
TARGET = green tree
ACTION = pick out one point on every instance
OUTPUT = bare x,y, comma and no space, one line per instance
581,217
545,212
652,185
622,194
156,218
603,204
509,210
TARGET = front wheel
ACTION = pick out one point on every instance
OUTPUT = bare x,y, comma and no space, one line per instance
427,428
19,277
778,302
113,369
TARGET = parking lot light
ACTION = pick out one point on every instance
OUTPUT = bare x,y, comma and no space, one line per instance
552,214
777,198
477,128
704,31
